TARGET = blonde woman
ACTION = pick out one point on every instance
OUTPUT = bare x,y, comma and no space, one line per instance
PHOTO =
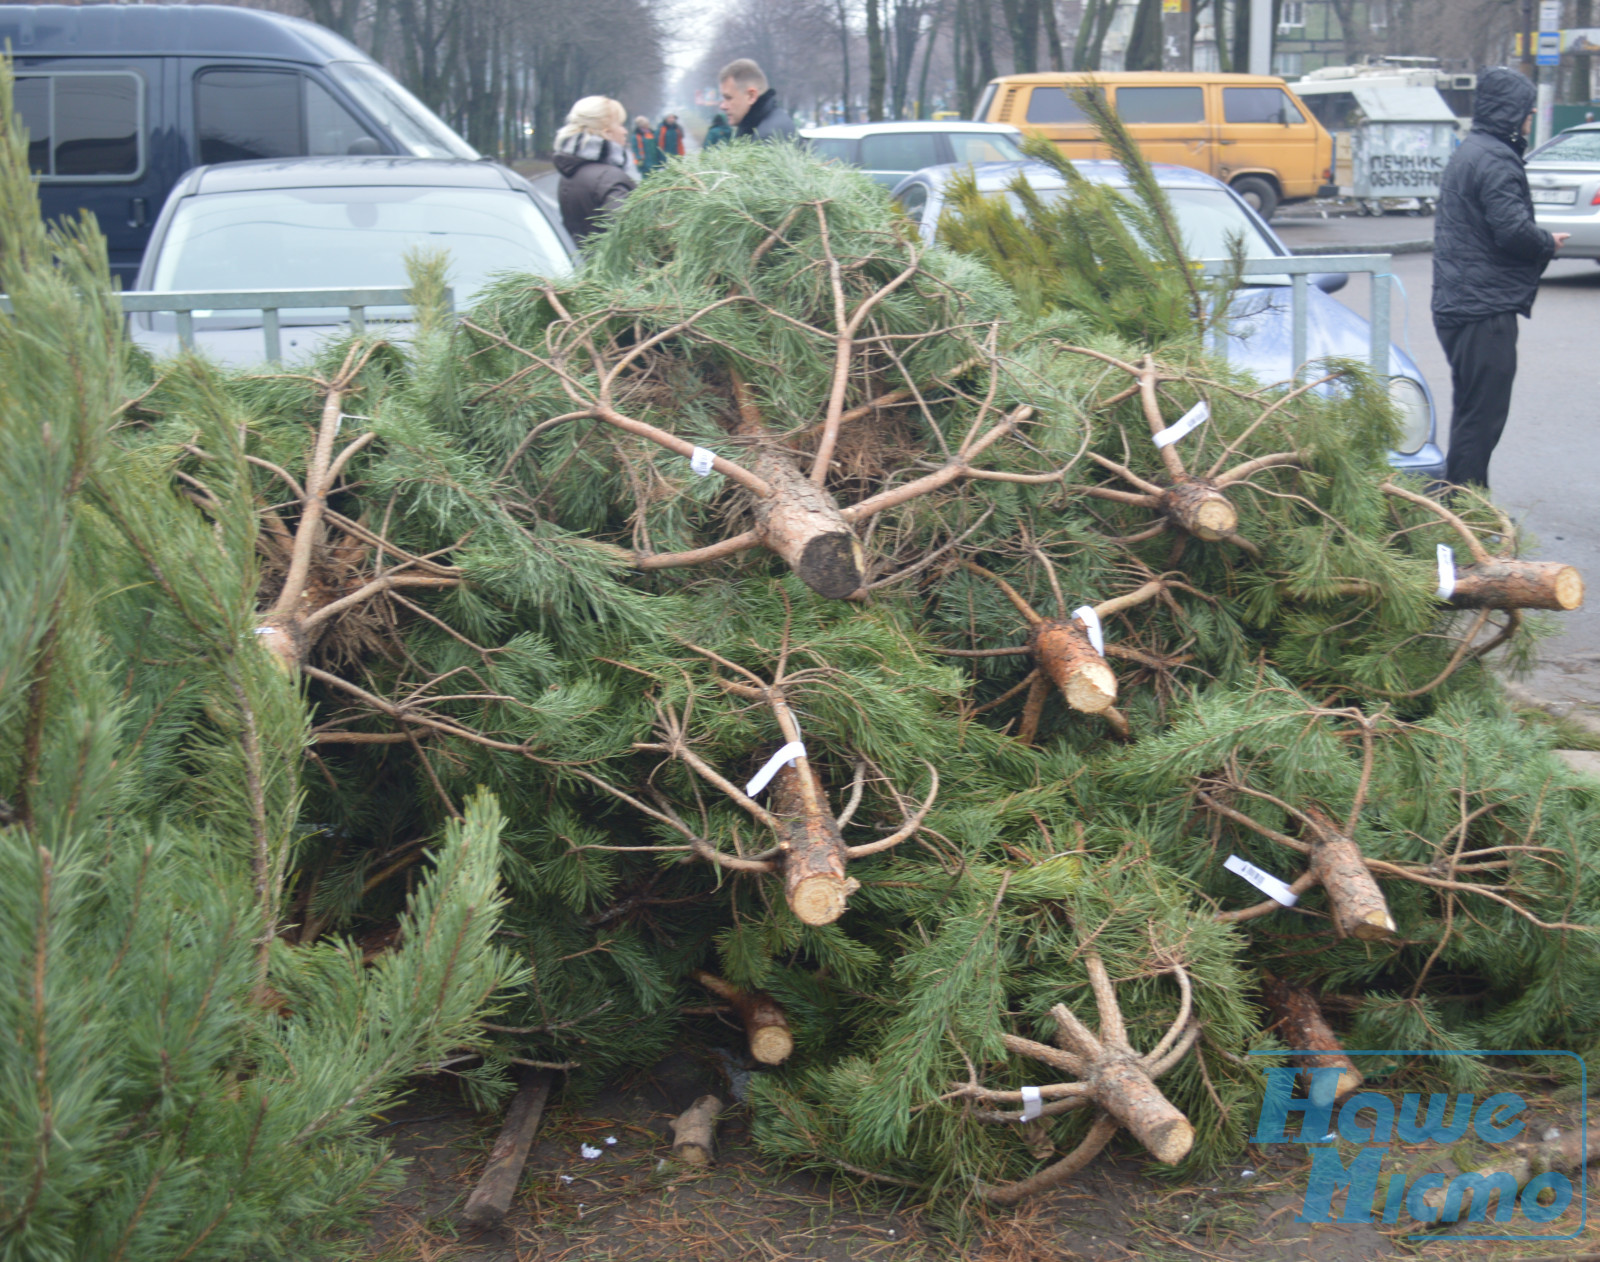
592,157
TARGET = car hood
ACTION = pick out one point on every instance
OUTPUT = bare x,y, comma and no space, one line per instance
1260,338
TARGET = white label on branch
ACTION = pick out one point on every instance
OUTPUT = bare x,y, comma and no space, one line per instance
1191,420
1268,884
791,751
1091,620
1032,1104
1447,571
700,461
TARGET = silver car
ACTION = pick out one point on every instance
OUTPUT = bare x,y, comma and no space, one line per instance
1564,177
888,152
290,224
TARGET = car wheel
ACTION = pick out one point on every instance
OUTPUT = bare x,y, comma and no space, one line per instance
1259,193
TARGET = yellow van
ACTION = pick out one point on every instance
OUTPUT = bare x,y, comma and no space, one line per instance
1249,131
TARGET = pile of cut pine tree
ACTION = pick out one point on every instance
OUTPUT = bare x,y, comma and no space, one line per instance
954,690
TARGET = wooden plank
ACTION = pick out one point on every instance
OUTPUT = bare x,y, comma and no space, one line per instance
491,1199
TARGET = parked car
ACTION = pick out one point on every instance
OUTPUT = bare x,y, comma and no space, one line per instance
1250,131
889,152
120,100
1564,177
1261,325
307,223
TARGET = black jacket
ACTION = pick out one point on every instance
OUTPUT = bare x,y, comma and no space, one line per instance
1488,252
767,120
588,189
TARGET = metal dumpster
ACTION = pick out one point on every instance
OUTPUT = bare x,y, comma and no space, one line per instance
1399,139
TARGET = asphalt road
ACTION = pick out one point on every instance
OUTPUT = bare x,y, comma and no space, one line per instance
1546,470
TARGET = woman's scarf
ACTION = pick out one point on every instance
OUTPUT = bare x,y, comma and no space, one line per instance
593,148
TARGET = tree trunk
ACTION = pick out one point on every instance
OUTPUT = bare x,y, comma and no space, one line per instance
877,66
1022,23
1518,585
1358,905
844,56
1580,89
1521,1161
814,877
1144,41
694,1132
982,12
1052,35
1303,1027
491,1199
1196,504
1124,1090
765,1024
927,62
1062,650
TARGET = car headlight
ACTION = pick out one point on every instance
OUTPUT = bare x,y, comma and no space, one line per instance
1416,414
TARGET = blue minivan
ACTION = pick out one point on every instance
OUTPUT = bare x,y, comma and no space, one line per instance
120,100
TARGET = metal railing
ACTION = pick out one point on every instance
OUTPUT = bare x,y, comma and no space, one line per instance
269,302
1300,269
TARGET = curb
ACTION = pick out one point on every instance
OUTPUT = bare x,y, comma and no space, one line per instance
1424,246
1523,697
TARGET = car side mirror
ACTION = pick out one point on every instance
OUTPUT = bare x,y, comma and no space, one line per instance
1330,282
364,146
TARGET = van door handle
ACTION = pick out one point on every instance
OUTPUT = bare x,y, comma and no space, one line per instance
138,212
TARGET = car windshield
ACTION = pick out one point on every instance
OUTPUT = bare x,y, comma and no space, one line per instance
407,119
1572,146
1209,218
980,146
305,238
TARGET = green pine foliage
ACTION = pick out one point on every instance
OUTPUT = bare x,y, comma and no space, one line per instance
482,612
175,1081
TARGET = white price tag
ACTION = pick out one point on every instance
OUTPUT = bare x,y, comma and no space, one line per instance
1091,620
791,751
1191,420
1268,884
1447,571
1032,1105
700,461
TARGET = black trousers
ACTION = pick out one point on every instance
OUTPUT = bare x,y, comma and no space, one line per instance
1483,364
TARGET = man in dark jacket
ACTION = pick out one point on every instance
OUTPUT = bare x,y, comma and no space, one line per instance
669,140
1488,255
751,106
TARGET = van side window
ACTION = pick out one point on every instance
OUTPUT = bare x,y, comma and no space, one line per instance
1259,105
1054,105
331,129
244,114
31,100
82,126
1162,105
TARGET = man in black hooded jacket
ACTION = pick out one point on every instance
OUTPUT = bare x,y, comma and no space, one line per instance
751,104
1488,255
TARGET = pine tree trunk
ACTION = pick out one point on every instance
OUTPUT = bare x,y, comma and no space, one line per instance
1062,650
1518,585
1359,908
1201,509
803,525
1302,1026
765,1024
694,1132
814,877
1124,1090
